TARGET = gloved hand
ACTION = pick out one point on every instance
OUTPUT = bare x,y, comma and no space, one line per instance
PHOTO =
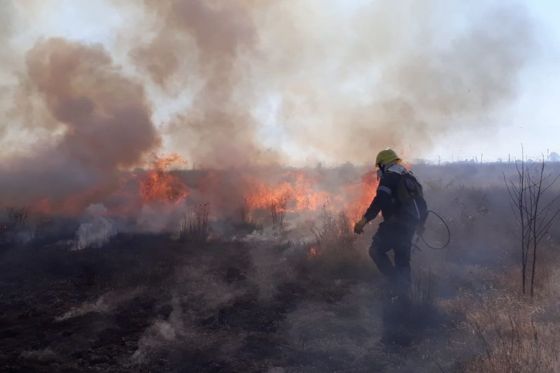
359,226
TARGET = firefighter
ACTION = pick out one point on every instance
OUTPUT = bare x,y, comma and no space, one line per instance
400,200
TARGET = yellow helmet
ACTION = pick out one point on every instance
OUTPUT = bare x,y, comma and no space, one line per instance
386,157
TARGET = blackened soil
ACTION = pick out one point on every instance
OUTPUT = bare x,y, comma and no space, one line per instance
38,285
127,284
93,310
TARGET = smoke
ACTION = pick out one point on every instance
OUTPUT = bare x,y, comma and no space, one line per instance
106,303
42,355
6,30
408,76
218,129
337,82
6,25
200,294
242,83
101,120
96,231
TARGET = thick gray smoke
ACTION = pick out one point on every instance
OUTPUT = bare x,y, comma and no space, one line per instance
6,23
340,85
218,129
103,120
435,78
6,30
249,82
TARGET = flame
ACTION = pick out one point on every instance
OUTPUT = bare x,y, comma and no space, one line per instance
312,252
159,185
70,205
293,192
303,194
166,162
365,192
297,194
300,193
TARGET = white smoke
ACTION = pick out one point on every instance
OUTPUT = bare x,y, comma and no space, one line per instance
161,217
104,304
97,230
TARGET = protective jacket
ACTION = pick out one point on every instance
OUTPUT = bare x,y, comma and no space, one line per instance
387,200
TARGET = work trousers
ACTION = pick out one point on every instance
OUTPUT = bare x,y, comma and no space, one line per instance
396,237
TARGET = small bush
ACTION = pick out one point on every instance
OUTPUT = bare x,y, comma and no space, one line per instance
194,227
334,249
16,220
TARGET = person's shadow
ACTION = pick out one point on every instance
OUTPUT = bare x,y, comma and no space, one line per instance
406,321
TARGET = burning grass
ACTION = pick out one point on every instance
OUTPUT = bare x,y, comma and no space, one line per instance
308,193
159,185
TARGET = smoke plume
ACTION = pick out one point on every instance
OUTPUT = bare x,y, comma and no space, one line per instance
242,83
338,86
103,121
218,129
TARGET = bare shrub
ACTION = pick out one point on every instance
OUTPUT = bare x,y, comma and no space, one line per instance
334,249
535,210
422,290
277,209
333,232
245,212
17,217
194,227
16,220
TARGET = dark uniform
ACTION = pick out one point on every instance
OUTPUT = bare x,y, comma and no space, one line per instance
397,229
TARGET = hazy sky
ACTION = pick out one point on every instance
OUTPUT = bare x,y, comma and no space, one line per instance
531,118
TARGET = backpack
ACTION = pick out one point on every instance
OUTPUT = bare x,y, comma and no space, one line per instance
411,198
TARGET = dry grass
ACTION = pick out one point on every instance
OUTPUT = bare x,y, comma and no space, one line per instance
422,291
335,251
333,232
194,227
512,339
513,332
14,219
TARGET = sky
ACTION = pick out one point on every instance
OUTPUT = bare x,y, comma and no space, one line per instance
530,118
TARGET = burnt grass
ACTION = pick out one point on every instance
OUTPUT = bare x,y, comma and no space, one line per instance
134,281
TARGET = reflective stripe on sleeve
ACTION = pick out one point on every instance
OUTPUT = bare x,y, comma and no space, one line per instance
383,188
417,209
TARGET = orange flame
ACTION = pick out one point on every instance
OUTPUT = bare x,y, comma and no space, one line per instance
312,252
298,194
160,185
365,192
70,205
301,193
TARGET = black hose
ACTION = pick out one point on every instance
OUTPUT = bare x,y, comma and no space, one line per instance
446,228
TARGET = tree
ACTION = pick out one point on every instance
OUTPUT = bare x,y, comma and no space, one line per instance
536,208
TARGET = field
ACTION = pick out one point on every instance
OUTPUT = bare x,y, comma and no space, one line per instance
275,289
